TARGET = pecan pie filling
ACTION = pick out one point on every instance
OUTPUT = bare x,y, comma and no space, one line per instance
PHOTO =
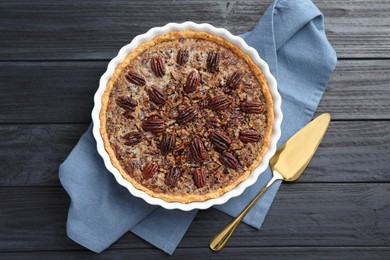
186,116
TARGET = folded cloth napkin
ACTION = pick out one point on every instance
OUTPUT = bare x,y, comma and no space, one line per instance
290,37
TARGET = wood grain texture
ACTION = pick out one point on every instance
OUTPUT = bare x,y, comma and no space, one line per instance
41,92
269,253
359,89
33,218
357,29
52,55
352,152
31,154
62,92
81,30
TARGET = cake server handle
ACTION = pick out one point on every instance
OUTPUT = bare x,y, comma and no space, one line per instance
223,236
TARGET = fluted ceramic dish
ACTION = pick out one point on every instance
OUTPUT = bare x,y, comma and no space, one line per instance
239,189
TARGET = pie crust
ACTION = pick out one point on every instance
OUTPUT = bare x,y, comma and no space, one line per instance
246,105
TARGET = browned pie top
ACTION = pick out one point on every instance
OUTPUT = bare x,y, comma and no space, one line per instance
186,116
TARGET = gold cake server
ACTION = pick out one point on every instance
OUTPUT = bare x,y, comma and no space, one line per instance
288,163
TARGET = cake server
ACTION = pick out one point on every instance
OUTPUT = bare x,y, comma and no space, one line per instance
288,163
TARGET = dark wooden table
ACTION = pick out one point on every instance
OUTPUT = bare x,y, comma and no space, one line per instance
52,55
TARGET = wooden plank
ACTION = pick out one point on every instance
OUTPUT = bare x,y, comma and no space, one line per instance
31,154
79,30
41,92
62,92
357,29
332,215
359,89
277,253
350,152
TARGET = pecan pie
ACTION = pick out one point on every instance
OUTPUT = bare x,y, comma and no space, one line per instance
186,116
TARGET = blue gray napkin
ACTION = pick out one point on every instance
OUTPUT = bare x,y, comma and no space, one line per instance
290,37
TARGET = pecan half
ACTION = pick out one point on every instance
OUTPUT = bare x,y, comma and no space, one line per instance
213,61
252,107
149,170
135,78
199,177
228,160
249,136
220,141
172,177
182,57
127,103
198,152
157,95
235,79
133,138
154,125
167,143
192,83
188,114
219,103
157,66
